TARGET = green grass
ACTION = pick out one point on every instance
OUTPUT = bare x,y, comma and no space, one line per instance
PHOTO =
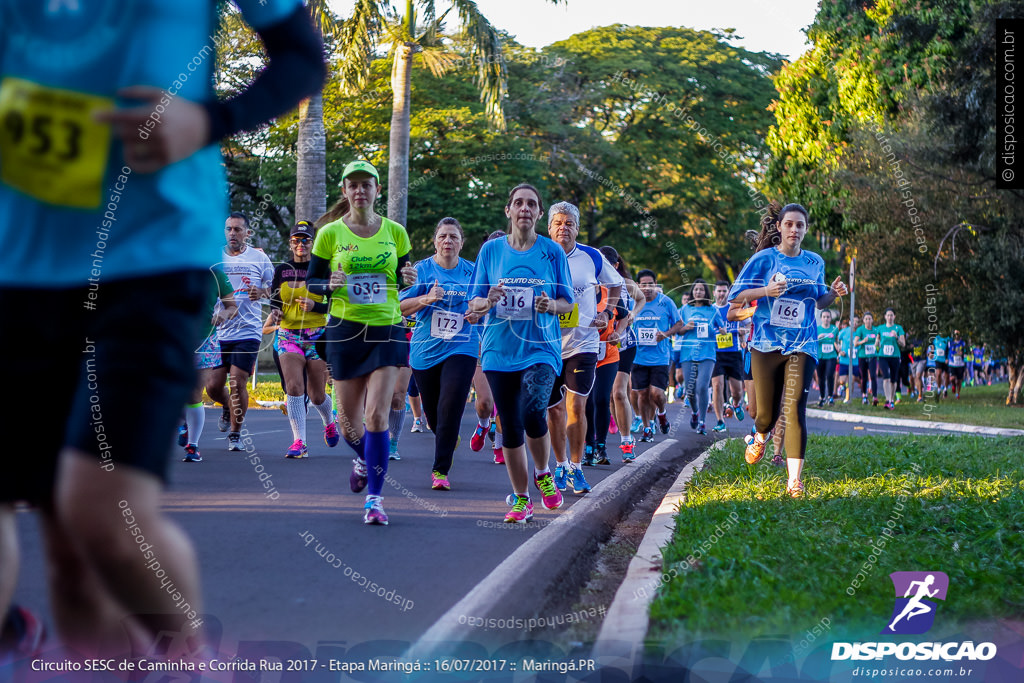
784,564
984,406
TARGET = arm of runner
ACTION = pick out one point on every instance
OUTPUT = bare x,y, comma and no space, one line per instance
318,276
415,303
639,300
837,290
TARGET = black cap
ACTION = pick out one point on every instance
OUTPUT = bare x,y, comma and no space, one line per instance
302,228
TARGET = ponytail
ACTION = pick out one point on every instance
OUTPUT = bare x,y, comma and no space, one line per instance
339,209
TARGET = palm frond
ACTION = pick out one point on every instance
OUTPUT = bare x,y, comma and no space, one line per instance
326,21
439,60
359,37
431,35
485,50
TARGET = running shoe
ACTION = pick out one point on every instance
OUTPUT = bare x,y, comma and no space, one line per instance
612,427
686,402
417,428
702,430
637,424
561,477
225,420
778,460
24,636
183,435
671,397
647,437
795,490
521,512
720,427
297,450
627,451
601,455
694,420
192,454
755,448
663,423
331,435
476,443
550,495
374,512
897,398
727,410
393,451
357,480
739,412
679,391
821,402
439,482
234,441
588,455
492,432
863,400
578,481
499,457
874,401
831,401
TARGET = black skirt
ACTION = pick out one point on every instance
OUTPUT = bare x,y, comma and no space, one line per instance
356,349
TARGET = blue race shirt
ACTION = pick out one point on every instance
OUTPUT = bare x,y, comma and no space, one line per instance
105,222
627,338
785,323
515,336
441,330
658,315
733,329
699,343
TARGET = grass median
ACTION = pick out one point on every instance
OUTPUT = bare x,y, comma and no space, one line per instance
746,561
981,405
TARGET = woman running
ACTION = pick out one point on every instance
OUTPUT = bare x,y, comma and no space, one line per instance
522,282
784,342
486,413
701,322
826,358
302,318
599,411
867,340
445,343
892,339
358,257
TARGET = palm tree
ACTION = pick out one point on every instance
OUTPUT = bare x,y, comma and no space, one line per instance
374,23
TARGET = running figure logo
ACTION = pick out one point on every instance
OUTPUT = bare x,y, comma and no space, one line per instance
913,613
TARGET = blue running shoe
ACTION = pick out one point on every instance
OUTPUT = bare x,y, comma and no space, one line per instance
561,478
679,391
693,420
739,412
183,435
637,424
720,427
588,455
686,403
578,481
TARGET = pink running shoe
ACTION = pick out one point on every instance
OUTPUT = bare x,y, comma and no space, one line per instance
612,427
551,496
521,512
297,450
439,482
331,435
477,442
499,457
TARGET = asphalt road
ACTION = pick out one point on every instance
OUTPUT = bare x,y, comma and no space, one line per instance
288,569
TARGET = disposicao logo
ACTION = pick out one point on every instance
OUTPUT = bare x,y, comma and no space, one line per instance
914,613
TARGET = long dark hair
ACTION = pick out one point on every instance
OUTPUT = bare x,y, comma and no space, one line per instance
706,301
616,260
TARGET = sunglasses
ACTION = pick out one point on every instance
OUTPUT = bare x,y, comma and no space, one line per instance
301,240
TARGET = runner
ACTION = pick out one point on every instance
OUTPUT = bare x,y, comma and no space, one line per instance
599,402
978,358
957,364
701,326
868,342
358,256
115,233
486,411
728,362
892,339
845,341
826,358
655,325
633,300
251,274
941,345
789,282
302,318
445,342
207,357
677,388
399,403
522,281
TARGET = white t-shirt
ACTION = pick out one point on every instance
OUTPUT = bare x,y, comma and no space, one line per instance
251,267
589,269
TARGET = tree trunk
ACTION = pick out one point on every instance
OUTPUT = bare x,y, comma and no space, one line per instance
398,155
311,161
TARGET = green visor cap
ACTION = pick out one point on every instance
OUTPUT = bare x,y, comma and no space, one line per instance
360,167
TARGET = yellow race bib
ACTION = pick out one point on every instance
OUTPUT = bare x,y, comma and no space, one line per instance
50,147
724,340
570,319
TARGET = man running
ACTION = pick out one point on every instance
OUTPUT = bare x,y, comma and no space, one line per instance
567,406
251,274
957,362
654,325
941,345
728,361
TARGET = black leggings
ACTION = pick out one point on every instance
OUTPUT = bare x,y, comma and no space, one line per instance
444,389
868,365
827,377
521,397
599,404
781,384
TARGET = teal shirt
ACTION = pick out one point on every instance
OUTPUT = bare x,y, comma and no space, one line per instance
827,342
870,349
845,339
891,340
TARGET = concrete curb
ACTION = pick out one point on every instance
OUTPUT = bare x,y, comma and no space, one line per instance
620,643
510,592
927,424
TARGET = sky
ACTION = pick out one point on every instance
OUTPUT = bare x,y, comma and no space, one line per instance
775,26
